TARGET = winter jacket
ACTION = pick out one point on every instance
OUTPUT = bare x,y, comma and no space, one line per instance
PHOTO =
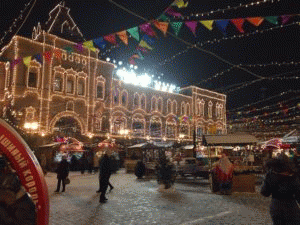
62,169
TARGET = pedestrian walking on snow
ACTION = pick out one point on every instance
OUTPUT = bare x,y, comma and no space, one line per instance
62,173
105,172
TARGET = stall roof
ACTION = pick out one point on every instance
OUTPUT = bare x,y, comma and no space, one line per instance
152,145
231,139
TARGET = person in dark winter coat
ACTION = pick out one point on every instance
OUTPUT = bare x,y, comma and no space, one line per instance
62,173
140,169
284,186
16,206
105,172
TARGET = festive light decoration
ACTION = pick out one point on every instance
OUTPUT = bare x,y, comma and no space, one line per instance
229,8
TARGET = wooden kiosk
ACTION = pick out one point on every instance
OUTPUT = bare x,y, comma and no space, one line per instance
242,181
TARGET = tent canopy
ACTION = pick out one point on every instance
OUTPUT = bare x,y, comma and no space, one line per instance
152,145
230,139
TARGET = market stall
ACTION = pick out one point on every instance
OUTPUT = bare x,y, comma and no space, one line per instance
244,175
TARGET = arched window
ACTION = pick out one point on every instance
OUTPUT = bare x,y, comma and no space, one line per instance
210,104
116,96
201,106
174,110
58,82
187,109
169,106
100,90
70,85
160,104
81,88
182,108
124,98
136,100
154,104
143,102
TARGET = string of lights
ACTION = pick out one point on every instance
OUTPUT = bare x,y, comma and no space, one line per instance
226,38
229,8
14,24
267,99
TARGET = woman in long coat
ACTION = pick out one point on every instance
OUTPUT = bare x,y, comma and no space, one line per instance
62,173
282,183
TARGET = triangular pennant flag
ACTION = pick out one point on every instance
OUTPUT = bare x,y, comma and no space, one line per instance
148,39
140,54
239,24
163,17
79,47
27,60
100,42
144,44
256,21
68,49
272,19
111,38
285,19
146,28
162,26
48,56
132,62
134,33
222,24
176,26
192,25
123,36
135,56
172,12
180,4
38,58
57,53
89,45
207,23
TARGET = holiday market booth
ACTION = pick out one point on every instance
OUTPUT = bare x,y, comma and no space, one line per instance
149,153
244,178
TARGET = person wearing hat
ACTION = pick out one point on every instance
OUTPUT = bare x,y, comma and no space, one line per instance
16,206
282,183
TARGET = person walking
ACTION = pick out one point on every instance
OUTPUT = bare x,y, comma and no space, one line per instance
224,173
109,184
62,173
105,172
282,183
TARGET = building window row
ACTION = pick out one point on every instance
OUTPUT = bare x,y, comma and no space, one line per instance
71,57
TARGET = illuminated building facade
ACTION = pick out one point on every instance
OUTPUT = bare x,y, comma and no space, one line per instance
73,83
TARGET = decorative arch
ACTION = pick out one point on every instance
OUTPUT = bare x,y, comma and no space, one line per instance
182,108
174,107
169,106
160,104
83,125
171,128
119,122
210,105
154,104
188,109
138,125
124,98
184,129
136,100
155,127
143,101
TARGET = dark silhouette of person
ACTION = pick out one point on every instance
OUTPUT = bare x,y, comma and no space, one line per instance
140,169
16,206
283,184
105,172
62,173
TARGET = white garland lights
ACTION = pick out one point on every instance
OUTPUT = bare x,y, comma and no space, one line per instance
144,80
229,8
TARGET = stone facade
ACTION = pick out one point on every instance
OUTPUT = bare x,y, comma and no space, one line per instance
80,86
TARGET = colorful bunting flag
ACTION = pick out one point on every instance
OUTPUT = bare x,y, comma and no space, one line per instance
192,25
48,55
38,58
123,36
134,33
272,19
239,24
111,38
256,21
285,19
222,24
100,42
140,55
132,62
176,26
148,39
89,45
57,53
146,28
162,26
180,4
207,23
140,48
172,12
27,60
68,49
144,44
164,17
79,47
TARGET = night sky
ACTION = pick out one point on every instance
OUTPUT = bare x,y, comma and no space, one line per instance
99,18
